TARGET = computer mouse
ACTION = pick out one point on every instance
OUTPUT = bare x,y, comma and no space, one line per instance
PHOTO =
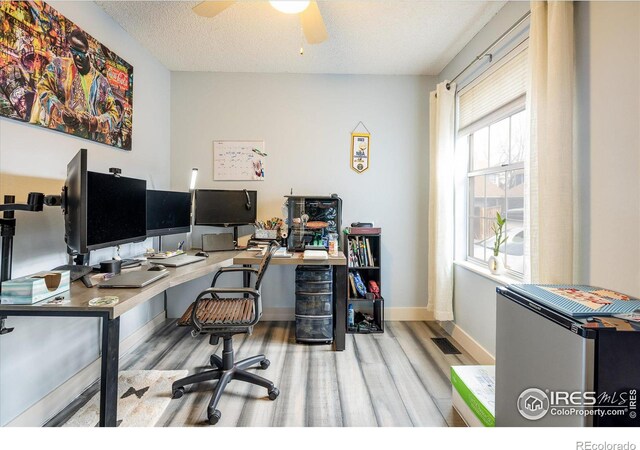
205,254
156,267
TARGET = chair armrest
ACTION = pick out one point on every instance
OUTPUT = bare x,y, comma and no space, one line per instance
214,293
231,270
230,290
238,269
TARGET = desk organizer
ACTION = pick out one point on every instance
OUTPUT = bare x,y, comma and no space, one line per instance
266,234
35,288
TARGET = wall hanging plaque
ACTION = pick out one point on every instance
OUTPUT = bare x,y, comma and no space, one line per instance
360,153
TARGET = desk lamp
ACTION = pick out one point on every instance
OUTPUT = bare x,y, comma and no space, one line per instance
192,190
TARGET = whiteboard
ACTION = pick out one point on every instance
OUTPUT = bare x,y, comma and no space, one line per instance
238,160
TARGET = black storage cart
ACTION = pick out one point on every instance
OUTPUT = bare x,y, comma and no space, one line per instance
314,304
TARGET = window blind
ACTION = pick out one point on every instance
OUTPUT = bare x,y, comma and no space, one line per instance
499,86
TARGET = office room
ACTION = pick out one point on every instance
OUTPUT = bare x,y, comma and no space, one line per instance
380,214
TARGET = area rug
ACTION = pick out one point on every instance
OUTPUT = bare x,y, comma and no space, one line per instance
143,395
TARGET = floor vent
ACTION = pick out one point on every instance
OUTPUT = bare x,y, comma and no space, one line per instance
446,346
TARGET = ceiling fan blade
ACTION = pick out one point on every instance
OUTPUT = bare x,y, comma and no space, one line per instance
312,24
211,8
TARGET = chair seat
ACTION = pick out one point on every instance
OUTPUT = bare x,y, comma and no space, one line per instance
231,311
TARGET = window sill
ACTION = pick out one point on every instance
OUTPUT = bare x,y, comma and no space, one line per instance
483,271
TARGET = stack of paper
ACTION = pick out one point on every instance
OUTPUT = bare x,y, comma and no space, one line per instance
315,254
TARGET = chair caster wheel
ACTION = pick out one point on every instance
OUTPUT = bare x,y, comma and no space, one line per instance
178,392
265,364
273,393
214,417
212,361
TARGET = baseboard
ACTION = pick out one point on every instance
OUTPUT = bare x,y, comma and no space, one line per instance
399,314
278,314
477,351
54,402
408,314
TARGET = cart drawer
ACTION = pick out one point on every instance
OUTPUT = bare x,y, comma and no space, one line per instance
314,304
314,329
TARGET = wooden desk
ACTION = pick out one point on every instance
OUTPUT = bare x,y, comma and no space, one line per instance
78,306
339,265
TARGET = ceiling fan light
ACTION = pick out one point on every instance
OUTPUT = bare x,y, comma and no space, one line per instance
290,7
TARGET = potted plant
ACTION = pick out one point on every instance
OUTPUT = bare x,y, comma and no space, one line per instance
496,264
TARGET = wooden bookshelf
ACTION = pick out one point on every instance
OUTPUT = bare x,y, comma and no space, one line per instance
362,248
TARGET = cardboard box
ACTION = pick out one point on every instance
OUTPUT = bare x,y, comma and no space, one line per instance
474,395
35,288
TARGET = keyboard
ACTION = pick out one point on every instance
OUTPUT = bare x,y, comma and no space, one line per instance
178,261
165,255
128,263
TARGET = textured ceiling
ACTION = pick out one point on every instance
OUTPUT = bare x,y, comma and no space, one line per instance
365,37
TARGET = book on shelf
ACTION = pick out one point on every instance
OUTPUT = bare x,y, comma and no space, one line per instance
354,292
361,290
369,253
360,252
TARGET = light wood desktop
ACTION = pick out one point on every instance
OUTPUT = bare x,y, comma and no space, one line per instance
78,306
79,297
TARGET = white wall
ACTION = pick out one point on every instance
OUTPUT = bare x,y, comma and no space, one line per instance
607,161
608,116
306,121
42,353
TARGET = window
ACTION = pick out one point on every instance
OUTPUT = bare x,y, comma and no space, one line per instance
496,184
493,136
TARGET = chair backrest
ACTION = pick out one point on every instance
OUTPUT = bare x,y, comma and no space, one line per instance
271,249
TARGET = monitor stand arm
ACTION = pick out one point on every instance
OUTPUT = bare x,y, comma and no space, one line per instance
7,232
236,238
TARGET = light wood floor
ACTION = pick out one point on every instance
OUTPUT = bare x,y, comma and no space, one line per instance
399,378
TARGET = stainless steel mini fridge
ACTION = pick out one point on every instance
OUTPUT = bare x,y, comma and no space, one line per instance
552,368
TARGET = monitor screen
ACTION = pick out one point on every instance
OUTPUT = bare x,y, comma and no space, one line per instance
73,205
101,210
168,212
116,210
225,208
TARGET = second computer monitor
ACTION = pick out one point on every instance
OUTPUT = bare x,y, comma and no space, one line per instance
168,212
225,208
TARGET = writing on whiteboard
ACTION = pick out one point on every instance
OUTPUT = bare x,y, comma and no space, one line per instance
238,160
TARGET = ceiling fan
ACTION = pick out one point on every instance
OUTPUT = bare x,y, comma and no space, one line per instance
310,17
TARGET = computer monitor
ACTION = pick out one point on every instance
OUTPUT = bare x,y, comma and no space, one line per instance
225,208
168,213
102,210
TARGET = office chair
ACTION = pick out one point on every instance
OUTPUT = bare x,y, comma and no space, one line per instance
222,318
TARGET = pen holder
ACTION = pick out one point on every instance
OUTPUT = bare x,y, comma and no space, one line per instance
266,234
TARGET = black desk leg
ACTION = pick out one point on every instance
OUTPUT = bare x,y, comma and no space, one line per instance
109,372
246,278
340,316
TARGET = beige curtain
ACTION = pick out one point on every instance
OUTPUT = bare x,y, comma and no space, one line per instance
441,201
550,164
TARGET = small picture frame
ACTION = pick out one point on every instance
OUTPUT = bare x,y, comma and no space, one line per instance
360,151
